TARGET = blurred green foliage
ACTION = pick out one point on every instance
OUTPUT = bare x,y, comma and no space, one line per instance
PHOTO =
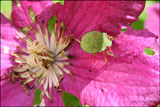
37,97
6,8
70,100
58,1
50,24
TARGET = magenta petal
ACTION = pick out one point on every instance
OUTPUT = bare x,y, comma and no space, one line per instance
132,79
129,47
123,84
14,95
57,99
152,22
6,49
20,14
8,34
107,16
8,31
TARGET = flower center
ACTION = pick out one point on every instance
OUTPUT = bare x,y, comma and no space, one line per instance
43,60
39,55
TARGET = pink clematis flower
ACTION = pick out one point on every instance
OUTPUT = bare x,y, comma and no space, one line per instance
129,80
153,17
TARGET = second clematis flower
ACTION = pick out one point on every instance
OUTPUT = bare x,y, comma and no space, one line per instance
129,80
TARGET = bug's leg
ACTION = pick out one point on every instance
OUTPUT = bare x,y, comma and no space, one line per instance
78,40
111,38
105,57
111,54
75,40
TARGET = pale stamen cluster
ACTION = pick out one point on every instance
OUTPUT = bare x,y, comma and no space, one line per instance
44,59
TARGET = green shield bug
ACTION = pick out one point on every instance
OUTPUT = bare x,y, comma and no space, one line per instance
94,42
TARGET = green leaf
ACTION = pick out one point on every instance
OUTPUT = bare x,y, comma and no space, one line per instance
50,24
149,51
139,25
86,106
70,100
58,1
6,8
37,97
123,30
94,41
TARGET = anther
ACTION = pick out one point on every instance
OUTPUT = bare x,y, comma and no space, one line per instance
46,66
71,64
21,82
36,18
43,21
70,56
59,90
30,87
72,39
61,80
16,73
13,59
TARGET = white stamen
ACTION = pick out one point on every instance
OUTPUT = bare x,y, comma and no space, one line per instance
66,70
28,80
53,43
46,83
42,104
39,35
60,64
62,58
46,37
55,79
58,71
25,75
50,80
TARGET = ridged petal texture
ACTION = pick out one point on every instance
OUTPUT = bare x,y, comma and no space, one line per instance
20,11
107,16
